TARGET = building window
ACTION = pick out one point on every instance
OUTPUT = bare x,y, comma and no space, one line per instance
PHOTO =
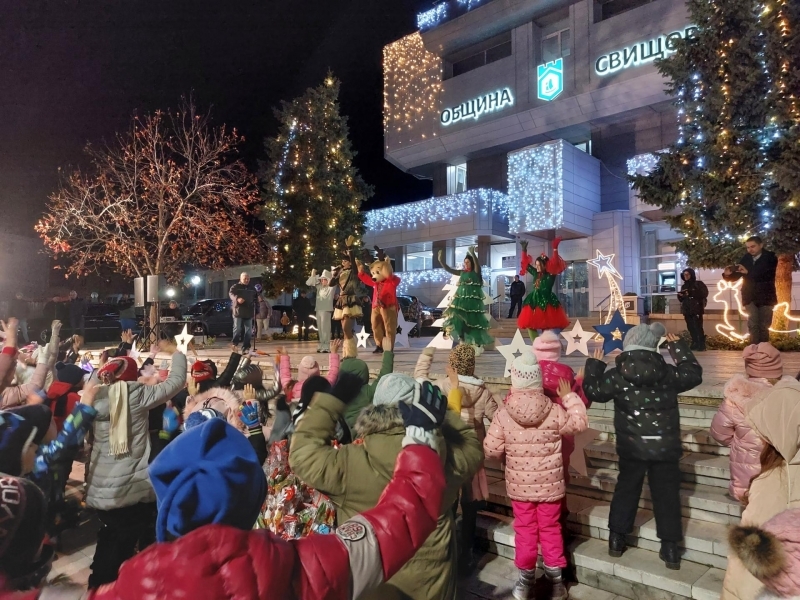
456,179
419,257
479,55
612,8
556,45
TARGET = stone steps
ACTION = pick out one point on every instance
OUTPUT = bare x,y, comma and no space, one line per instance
692,415
639,574
693,439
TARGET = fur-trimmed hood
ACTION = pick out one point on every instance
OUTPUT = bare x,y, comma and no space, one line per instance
220,399
378,419
740,389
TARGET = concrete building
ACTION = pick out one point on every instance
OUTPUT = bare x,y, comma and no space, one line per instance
528,115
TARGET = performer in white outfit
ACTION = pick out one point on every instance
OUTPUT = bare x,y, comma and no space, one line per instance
324,307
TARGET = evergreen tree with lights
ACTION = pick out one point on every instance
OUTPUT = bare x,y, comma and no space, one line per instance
312,192
733,171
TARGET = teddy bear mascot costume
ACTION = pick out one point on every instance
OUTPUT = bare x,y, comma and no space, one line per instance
380,276
348,306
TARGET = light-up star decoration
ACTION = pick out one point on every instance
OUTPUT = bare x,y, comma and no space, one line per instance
613,332
730,331
577,339
513,350
184,339
362,337
403,329
605,268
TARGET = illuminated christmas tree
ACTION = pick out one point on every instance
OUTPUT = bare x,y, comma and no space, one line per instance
312,192
734,170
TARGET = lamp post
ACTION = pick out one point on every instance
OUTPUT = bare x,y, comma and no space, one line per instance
196,280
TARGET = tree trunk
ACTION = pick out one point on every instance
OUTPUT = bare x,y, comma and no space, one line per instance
783,285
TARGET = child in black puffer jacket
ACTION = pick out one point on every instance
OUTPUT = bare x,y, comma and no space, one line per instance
645,391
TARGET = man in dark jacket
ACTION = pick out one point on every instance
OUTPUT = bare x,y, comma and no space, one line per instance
301,306
516,294
759,296
693,297
243,299
77,314
645,391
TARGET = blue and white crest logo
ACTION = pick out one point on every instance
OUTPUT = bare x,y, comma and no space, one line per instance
550,80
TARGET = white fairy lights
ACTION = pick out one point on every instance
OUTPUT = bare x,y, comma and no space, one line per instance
642,164
434,210
431,18
410,279
412,82
536,188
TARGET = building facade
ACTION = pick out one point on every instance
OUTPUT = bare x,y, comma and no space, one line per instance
528,115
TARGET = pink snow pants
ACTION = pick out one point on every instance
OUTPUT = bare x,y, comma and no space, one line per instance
538,523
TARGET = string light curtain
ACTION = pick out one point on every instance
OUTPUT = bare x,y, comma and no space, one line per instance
536,188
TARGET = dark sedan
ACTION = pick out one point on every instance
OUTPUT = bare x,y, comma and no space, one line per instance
100,325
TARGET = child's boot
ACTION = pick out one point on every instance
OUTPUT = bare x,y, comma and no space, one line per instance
559,590
524,585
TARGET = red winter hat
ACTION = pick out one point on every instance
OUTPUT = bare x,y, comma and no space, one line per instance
121,368
204,370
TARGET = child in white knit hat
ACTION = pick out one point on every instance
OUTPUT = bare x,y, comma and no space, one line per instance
528,431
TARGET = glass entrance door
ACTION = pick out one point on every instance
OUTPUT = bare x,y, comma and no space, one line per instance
572,287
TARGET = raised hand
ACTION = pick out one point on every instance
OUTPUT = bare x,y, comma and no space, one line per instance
192,387
427,410
598,354
90,390
336,345
524,245
249,392
350,240
452,376
564,388
581,374
248,414
671,337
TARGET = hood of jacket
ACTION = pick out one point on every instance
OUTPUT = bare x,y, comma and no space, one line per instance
527,408
355,366
741,389
641,368
472,386
378,419
776,418
58,389
220,399
692,275
552,372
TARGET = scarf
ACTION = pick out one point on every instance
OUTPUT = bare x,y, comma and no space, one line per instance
118,412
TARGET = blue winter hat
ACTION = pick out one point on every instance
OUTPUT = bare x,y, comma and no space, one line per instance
209,474
201,416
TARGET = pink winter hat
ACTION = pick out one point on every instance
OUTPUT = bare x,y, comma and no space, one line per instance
308,367
772,552
547,346
763,360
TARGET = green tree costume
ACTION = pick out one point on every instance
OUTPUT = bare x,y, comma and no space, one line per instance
465,319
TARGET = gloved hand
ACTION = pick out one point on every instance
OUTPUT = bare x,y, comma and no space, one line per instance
347,387
170,422
248,415
427,410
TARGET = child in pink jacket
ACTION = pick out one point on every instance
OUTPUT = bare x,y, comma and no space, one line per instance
528,431
763,367
308,367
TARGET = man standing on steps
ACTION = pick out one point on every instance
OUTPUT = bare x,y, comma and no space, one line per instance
759,296
243,298
516,293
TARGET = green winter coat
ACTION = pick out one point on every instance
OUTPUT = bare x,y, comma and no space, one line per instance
355,475
356,366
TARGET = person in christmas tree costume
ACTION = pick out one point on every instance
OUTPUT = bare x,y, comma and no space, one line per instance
465,319
348,305
541,308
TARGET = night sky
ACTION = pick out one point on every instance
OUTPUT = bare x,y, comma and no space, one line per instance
74,71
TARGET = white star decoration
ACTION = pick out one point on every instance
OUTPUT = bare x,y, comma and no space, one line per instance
577,339
184,339
403,329
577,459
450,288
513,350
604,265
441,342
362,336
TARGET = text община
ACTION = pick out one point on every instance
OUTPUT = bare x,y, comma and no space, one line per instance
472,109
641,52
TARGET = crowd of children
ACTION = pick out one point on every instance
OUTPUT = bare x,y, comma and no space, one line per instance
265,473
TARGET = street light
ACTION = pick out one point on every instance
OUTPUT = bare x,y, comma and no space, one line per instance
196,280
170,293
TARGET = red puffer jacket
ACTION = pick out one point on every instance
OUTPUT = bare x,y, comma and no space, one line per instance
217,562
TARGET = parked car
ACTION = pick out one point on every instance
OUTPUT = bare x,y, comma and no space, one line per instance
100,325
429,314
211,317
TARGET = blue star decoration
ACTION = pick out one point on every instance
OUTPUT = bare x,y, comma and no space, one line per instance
613,333
604,265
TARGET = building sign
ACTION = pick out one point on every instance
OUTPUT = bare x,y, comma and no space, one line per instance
641,53
508,262
473,109
550,79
